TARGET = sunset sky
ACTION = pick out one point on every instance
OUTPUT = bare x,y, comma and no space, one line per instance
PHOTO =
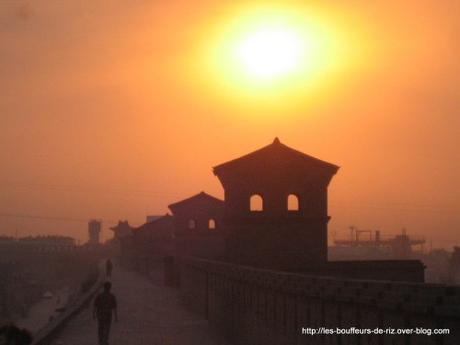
115,109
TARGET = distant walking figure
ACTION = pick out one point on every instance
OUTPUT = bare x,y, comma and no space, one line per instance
104,305
108,268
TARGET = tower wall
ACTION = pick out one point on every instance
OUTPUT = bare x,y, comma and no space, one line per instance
276,237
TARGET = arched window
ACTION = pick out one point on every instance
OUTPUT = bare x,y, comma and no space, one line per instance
256,203
192,224
292,202
211,224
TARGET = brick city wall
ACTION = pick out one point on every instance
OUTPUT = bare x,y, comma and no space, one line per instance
262,307
393,270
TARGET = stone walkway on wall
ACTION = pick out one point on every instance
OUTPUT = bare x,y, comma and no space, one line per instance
148,315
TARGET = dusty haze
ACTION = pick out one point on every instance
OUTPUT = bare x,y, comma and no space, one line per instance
100,117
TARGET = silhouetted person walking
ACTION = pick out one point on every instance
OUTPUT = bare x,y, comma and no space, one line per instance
12,335
104,305
108,268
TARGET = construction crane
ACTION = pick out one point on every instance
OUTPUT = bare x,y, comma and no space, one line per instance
399,243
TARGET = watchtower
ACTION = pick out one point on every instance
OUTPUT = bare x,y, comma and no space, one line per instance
275,211
122,229
197,226
197,215
94,231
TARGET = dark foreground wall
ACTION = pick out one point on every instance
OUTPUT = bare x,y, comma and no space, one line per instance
392,270
261,307
89,288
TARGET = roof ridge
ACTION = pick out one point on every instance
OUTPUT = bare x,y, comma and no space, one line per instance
275,145
201,194
167,215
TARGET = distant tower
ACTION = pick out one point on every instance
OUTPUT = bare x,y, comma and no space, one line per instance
275,212
401,246
94,231
122,229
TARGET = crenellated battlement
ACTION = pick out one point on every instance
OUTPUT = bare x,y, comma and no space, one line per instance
257,306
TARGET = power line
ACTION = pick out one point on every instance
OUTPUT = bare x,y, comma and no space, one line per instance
112,192
34,216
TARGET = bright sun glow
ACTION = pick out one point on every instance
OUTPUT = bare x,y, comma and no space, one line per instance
269,53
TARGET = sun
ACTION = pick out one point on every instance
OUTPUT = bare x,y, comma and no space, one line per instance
267,55
270,52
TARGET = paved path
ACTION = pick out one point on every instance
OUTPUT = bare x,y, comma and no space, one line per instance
148,315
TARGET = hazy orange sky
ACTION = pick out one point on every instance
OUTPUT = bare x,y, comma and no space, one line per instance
105,112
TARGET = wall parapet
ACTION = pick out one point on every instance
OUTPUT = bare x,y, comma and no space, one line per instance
45,335
258,306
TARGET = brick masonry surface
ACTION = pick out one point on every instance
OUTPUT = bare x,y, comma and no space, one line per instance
262,307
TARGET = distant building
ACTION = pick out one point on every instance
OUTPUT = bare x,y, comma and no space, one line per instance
198,226
438,266
193,229
161,228
455,266
7,239
94,231
155,238
122,229
49,240
43,244
374,245
201,213
151,218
